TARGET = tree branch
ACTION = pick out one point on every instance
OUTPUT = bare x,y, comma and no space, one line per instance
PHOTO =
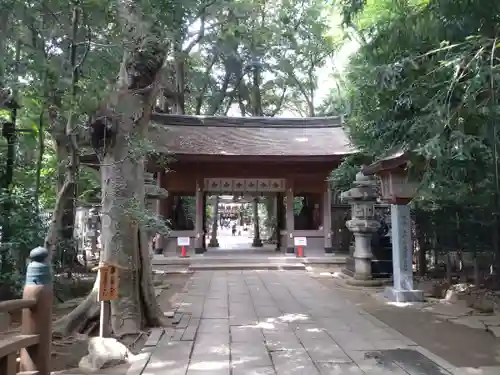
200,36
280,103
199,99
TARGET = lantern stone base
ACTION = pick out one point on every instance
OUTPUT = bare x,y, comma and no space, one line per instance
365,282
362,268
199,250
290,250
257,242
213,242
328,250
395,295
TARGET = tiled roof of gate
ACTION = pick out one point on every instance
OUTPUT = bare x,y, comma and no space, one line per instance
249,136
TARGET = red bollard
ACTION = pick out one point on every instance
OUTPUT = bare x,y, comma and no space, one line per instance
300,252
183,242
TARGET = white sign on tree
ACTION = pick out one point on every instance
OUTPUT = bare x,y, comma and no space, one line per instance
183,241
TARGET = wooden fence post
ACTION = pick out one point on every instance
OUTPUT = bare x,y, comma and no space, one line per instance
38,320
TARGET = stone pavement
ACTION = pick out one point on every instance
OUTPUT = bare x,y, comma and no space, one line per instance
282,323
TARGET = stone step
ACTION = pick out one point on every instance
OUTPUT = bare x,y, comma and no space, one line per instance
203,259
246,266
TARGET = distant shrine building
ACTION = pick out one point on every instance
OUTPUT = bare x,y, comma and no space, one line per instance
251,157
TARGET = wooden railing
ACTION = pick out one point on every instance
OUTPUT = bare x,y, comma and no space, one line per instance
26,351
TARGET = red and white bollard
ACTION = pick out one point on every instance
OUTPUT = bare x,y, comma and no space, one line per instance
300,243
183,243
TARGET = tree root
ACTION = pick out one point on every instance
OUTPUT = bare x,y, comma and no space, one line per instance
84,318
78,320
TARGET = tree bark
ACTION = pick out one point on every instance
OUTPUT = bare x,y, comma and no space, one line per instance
118,129
59,239
123,201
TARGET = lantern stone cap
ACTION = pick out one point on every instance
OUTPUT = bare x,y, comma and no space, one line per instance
364,189
364,180
360,193
39,254
392,162
155,192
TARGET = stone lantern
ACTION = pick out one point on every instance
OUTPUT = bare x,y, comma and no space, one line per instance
398,189
362,197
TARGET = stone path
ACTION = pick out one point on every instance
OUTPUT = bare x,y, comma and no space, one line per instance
281,323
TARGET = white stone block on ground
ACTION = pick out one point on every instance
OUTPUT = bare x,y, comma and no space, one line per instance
103,350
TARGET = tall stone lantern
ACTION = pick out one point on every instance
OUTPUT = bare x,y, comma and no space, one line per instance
398,189
362,197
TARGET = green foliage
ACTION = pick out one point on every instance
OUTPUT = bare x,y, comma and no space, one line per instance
27,231
426,81
147,220
214,49
342,177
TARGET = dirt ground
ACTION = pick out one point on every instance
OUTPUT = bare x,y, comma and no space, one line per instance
67,352
459,345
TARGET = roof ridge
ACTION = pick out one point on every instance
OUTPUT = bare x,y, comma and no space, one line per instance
247,122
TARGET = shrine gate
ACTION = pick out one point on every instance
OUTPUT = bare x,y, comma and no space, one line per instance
278,157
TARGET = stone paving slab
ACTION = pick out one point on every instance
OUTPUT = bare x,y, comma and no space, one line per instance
246,266
281,323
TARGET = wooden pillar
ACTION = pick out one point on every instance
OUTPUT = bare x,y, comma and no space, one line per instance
327,220
257,242
279,219
289,221
204,224
275,236
198,224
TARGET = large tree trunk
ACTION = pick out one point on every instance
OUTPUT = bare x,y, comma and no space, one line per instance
60,236
123,196
118,131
